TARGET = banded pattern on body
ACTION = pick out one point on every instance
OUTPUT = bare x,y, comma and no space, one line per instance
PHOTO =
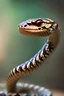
34,27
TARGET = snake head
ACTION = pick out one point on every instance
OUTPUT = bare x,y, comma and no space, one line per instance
37,26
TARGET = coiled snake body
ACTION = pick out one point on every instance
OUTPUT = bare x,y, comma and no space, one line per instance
34,27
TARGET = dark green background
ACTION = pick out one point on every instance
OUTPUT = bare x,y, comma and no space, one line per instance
16,48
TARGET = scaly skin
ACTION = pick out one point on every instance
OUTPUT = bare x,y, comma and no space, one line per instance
34,27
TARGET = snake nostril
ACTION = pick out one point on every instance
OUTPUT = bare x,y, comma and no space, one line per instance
25,25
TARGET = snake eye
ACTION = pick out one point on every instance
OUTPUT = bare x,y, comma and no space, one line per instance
38,22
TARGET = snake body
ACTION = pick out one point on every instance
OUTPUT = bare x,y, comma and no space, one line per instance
34,27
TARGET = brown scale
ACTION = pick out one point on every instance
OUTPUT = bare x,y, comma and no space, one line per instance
20,68
27,68
31,64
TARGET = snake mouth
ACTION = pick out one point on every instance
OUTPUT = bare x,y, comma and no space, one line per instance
31,31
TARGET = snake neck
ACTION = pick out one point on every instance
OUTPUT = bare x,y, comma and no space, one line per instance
55,37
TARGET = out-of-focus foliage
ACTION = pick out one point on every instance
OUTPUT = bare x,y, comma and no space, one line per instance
16,48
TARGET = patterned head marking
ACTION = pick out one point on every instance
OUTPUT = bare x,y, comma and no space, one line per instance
37,25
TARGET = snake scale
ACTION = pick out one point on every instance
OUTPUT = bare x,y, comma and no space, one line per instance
33,27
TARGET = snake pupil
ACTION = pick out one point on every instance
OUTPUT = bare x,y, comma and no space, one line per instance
38,23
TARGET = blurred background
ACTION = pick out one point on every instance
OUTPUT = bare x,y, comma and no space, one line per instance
16,48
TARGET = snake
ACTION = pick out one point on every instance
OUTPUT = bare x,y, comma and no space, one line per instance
33,27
